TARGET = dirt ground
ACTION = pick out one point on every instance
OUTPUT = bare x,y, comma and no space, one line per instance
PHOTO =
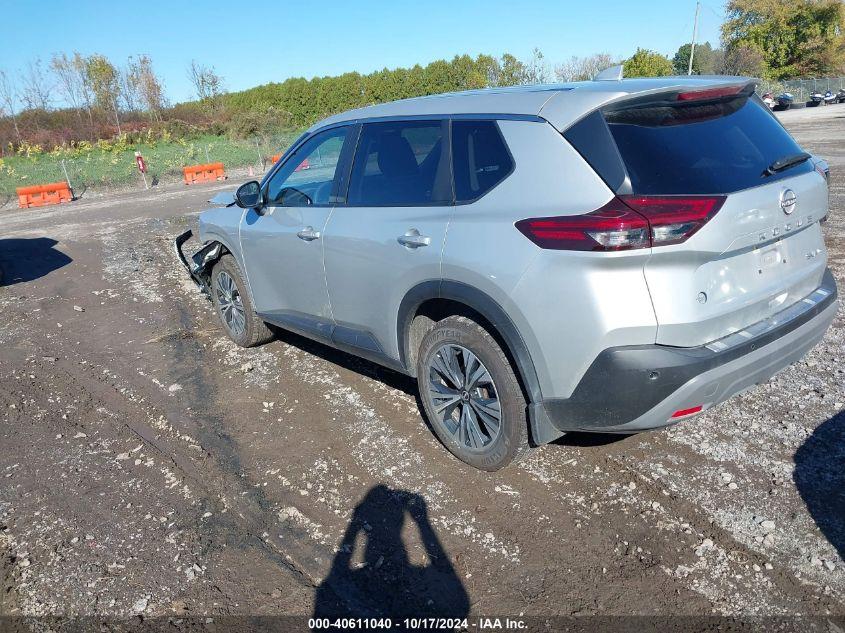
148,467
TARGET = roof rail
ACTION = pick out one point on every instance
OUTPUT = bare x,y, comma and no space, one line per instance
614,73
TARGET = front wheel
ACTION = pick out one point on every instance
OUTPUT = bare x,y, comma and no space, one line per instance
471,394
232,302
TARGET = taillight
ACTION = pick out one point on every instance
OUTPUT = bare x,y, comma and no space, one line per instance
624,223
614,227
674,219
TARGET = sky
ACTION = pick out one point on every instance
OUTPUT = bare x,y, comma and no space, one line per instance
255,42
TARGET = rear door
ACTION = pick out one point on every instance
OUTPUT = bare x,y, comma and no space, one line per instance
762,250
389,235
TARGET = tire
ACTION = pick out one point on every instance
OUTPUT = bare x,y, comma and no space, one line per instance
466,426
230,296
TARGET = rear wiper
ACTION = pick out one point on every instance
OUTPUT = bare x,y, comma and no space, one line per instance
786,162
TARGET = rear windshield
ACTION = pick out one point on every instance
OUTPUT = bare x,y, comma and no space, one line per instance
716,147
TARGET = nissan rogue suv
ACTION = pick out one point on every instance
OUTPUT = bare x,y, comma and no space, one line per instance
607,256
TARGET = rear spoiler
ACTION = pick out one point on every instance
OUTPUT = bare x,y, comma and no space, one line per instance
565,108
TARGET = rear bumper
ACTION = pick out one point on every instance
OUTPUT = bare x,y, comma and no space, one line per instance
635,388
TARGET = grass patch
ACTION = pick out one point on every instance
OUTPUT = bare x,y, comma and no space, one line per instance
101,169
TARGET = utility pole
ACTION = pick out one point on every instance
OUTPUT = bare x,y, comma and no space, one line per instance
694,35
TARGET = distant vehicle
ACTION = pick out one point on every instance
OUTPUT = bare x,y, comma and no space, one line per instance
785,100
816,99
829,98
840,96
769,100
610,255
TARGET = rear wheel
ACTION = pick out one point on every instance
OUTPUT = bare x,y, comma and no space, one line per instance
234,307
471,395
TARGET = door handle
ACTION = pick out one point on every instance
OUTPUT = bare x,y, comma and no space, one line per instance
412,239
308,234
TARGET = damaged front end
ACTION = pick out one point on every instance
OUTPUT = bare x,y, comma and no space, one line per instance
199,268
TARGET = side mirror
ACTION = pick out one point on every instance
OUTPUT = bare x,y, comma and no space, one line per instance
248,195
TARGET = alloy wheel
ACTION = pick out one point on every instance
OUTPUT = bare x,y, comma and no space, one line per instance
231,306
464,397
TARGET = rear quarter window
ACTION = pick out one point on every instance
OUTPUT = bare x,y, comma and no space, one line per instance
480,158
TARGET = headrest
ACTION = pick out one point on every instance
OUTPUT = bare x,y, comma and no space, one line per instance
395,157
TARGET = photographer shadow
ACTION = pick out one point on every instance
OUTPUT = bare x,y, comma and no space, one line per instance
372,573
28,259
820,479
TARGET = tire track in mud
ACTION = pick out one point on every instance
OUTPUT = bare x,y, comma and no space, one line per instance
241,516
235,513
278,524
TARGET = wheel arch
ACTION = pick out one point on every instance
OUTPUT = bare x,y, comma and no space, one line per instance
213,248
437,299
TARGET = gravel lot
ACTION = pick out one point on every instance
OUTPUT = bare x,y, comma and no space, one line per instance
148,467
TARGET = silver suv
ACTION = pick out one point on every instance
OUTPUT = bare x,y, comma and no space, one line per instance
607,256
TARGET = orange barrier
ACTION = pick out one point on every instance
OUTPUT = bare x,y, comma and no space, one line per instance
203,173
303,165
42,195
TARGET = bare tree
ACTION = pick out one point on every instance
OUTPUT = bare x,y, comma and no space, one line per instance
584,68
147,85
129,80
80,65
207,83
69,81
8,99
36,86
536,70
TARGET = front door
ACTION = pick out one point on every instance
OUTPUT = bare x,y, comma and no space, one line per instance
283,244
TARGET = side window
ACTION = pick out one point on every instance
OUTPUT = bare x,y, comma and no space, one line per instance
402,164
480,157
307,177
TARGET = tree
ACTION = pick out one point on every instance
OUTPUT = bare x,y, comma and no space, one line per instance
8,99
36,89
70,81
141,87
536,70
704,60
80,64
511,71
487,67
128,78
104,80
150,87
743,60
795,37
207,83
584,68
646,63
